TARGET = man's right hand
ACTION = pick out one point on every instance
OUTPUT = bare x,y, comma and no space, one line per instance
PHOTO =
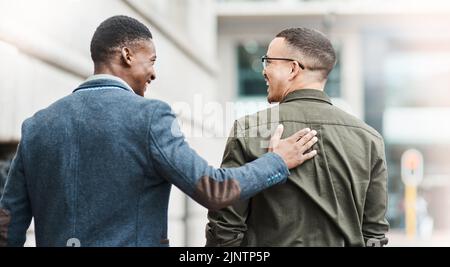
293,148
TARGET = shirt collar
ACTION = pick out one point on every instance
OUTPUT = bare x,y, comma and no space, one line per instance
310,94
109,77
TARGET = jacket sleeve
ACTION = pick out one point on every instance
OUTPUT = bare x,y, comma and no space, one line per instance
15,210
212,188
375,225
227,227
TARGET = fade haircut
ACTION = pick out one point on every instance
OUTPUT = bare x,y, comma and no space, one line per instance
115,32
314,48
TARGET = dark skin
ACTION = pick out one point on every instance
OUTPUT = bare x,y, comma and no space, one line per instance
133,63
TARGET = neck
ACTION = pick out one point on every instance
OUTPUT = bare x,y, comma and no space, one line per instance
110,69
304,85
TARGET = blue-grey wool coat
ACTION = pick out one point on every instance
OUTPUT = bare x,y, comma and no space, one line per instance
96,167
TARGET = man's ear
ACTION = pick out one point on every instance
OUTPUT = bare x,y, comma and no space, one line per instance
295,70
127,55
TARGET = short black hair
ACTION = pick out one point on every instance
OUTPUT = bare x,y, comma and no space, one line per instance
315,48
115,32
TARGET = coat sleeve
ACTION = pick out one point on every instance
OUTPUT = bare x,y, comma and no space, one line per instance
375,225
210,187
15,209
227,227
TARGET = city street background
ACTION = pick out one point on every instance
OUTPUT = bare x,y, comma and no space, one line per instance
393,72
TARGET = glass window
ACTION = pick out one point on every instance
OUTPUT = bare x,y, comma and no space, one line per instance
333,86
250,79
251,82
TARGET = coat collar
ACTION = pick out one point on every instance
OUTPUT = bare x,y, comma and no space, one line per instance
307,94
97,82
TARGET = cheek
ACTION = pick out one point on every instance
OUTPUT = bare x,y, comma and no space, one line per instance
275,78
281,76
142,72
147,69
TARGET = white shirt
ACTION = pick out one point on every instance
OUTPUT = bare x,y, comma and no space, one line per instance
110,77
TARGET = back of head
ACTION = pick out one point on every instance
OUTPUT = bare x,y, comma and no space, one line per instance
115,32
312,47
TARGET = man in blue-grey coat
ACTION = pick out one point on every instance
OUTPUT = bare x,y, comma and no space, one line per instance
95,168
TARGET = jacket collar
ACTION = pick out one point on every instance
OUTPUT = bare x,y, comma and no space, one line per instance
307,94
101,82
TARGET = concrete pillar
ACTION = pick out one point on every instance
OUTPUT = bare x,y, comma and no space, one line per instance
352,84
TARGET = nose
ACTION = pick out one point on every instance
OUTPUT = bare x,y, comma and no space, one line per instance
153,74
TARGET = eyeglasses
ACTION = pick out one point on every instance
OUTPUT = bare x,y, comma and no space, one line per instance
265,60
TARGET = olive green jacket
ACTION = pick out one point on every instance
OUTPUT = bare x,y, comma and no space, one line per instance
339,198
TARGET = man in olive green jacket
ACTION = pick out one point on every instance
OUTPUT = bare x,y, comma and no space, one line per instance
337,199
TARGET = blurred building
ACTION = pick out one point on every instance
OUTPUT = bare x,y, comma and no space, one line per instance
392,72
